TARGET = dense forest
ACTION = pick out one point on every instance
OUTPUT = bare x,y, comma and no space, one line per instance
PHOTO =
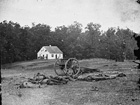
22,43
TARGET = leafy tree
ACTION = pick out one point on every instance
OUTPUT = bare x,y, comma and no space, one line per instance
22,43
93,39
127,43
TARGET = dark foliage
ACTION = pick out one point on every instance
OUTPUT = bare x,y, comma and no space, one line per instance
138,1
22,43
137,53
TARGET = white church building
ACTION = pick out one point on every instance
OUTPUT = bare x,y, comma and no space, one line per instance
50,52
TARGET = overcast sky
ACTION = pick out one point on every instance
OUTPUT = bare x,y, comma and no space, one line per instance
108,13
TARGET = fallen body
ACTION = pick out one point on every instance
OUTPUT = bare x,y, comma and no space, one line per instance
40,80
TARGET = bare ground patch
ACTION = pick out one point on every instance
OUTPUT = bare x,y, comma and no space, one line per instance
119,91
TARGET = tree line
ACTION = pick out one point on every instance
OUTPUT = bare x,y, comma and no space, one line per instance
22,43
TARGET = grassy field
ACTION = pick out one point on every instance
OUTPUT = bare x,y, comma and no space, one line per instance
119,91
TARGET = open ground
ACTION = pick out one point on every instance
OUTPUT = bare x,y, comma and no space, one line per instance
118,91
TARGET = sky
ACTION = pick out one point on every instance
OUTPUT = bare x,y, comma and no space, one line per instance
107,13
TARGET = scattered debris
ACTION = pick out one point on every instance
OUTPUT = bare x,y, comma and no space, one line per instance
96,77
135,99
100,76
121,75
29,85
40,80
84,70
94,88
